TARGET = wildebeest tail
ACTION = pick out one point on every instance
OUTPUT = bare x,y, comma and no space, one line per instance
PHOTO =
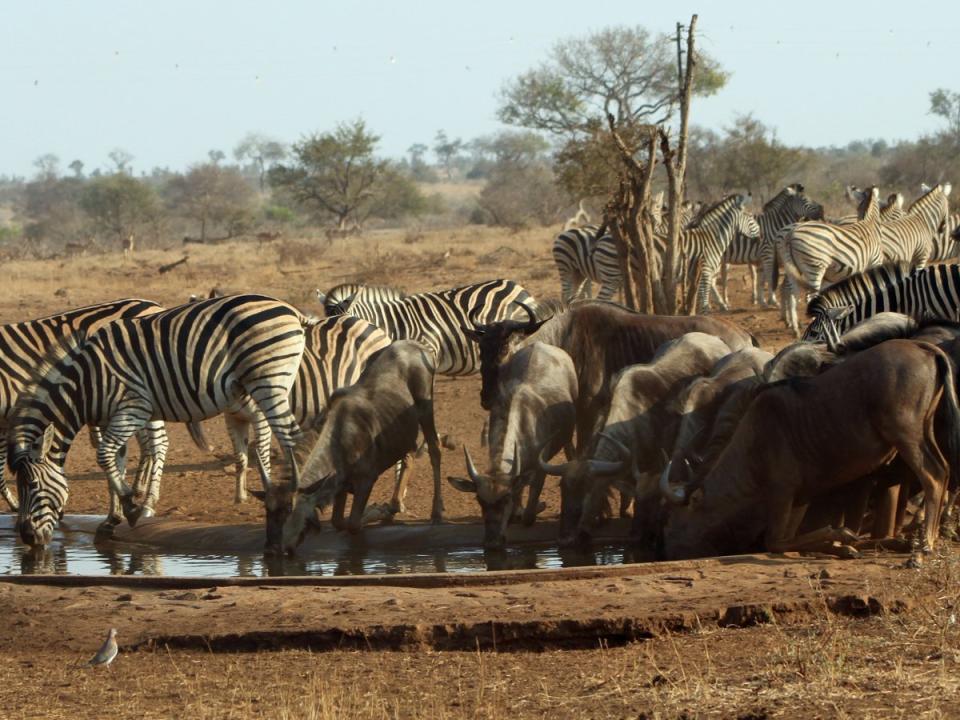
948,413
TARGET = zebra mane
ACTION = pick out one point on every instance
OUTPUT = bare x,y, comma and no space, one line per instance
855,286
927,194
781,197
719,207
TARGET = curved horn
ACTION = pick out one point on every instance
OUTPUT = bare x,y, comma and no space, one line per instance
471,468
605,467
531,316
547,467
673,495
321,298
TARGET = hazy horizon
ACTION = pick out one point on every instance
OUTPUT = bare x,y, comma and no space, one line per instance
169,83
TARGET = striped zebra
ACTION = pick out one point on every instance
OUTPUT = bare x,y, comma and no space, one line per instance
788,206
817,251
908,241
438,318
891,209
582,258
336,352
704,243
336,300
946,244
23,346
932,293
183,365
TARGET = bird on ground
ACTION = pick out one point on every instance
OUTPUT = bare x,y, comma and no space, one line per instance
107,652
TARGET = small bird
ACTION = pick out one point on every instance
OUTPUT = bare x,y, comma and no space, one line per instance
107,652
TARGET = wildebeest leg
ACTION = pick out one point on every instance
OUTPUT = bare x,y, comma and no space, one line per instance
361,494
887,497
339,504
533,497
930,467
429,429
780,519
626,503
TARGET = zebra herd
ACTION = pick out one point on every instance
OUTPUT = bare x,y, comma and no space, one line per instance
125,368
789,232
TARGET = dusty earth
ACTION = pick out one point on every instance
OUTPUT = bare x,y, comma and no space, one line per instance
749,637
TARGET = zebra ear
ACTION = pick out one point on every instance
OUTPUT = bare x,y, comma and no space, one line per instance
946,188
924,188
41,445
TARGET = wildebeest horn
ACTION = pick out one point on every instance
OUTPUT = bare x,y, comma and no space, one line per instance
673,495
471,468
531,315
321,298
607,467
547,467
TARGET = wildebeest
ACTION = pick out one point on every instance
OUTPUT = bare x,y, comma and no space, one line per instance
366,429
601,338
638,430
534,411
804,437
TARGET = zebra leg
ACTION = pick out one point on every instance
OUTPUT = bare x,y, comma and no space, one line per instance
262,438
154,447
754,284
115,436
273,403
724,272
401,475
238,426
4,489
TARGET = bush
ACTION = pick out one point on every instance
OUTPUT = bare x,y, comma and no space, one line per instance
279,214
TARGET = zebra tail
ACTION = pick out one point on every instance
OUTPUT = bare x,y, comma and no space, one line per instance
198,436
789,266
775,280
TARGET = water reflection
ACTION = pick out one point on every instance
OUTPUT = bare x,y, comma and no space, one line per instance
78,553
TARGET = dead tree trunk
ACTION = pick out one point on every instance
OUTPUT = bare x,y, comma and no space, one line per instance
675,163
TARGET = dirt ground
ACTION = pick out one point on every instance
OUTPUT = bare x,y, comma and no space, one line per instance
755,637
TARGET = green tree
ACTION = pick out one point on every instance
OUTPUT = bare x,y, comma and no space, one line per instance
118,204
334,174
750,157
625,71
395,196
262,152
212,195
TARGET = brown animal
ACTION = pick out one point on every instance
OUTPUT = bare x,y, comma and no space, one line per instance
534,411
638,430
804,437
128,246
267,237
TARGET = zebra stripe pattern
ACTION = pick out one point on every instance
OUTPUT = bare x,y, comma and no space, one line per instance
336,352
786,207
582,258
812,252
908,241
946,245
23,346
438,319
932,293
336,300
185,364
707,241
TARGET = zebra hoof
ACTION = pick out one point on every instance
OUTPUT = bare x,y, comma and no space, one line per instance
148,512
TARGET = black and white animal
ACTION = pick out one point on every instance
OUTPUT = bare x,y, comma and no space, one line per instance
441,319
184,364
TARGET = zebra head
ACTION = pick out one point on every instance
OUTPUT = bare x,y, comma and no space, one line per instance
746,223
800,206
41,485
827,324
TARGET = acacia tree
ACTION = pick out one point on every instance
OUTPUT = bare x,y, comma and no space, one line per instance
334,174
446,150
946,104
117,204
211,194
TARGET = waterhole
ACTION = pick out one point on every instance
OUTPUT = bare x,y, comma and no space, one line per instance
75,551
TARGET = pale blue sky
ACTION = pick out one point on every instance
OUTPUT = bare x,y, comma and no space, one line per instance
168,81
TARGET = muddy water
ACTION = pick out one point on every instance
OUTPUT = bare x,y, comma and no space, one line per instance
75,552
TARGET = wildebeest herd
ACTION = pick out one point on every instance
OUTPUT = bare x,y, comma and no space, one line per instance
718,446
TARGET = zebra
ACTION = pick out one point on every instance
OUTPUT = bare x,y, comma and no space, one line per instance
812,252
24,344
439,319
908,241
932,293
336,299
786,207
704,243
582,258
184,364
336,352
890,210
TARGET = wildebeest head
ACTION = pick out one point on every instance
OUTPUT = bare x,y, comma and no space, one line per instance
495,340
585,486
497,494
277,499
